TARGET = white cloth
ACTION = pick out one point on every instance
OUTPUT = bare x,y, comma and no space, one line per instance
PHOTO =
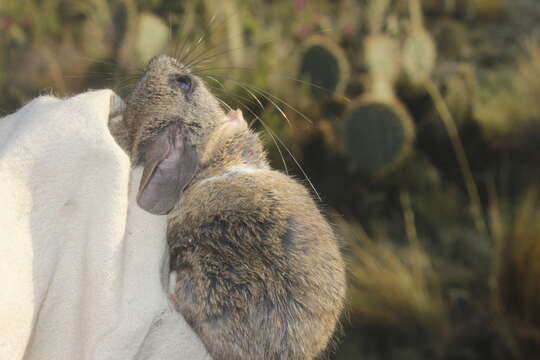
80,262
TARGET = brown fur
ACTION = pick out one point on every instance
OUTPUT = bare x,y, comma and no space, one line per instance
259,271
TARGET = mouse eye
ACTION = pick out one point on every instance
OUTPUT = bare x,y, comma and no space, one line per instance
184,82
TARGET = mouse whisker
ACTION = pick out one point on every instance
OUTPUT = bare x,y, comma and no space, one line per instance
283,76
273,103
181,42
202,60
275,137
268,130
211,26
222,102
95,60
204,36
267,95
192,57
110,76
125,83
273,134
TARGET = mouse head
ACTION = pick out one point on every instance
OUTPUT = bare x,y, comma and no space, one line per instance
169,94
171,118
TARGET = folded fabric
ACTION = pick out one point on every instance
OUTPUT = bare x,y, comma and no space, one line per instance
81,269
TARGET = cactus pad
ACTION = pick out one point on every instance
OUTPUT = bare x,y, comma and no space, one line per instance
378,135
325,66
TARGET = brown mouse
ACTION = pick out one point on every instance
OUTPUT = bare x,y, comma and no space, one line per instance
258,270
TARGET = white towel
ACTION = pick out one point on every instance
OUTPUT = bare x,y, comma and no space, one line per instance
80,262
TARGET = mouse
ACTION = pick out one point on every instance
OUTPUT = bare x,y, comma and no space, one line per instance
256,269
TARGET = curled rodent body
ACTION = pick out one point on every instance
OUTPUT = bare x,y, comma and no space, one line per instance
259,273
258,270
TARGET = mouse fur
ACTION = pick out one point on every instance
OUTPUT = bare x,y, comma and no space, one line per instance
258,269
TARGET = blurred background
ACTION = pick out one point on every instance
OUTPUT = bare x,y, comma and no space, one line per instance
417,122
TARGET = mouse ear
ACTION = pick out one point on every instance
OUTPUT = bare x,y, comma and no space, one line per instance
170,163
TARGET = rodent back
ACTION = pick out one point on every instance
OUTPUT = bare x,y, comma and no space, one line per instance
255,256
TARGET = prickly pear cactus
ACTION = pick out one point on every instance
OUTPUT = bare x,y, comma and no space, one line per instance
378,135
382,58
452,40
324,65
419,55
152,37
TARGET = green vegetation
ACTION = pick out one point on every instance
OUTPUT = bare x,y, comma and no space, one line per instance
417,121
378,134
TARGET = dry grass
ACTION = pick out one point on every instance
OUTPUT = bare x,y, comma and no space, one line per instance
507,102
516,275
393,286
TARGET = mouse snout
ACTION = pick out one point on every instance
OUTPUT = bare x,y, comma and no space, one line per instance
170,73
164,65
160,61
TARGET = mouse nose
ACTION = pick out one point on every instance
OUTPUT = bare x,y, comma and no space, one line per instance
160,60
163,64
